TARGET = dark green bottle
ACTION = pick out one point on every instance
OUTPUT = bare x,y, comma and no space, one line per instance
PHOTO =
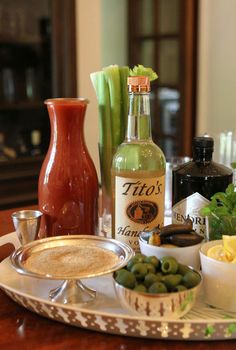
196,181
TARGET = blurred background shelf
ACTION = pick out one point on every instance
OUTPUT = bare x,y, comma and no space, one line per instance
37,61
18,181
21,105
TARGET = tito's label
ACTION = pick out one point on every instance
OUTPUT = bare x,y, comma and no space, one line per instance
139,206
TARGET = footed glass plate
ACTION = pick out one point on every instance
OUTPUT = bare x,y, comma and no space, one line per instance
105,314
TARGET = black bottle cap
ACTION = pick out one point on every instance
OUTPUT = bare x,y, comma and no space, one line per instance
203,142
202,149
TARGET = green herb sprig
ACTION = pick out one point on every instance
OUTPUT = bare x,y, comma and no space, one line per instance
222,203
221,213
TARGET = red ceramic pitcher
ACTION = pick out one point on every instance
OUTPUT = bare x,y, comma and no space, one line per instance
68,183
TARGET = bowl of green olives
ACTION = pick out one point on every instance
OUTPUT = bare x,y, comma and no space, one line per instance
157,288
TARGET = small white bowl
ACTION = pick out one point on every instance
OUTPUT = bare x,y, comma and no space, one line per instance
219,282
185,255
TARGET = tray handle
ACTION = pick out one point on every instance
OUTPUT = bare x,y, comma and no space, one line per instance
10,238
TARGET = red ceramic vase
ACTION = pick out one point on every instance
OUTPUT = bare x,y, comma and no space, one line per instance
68,183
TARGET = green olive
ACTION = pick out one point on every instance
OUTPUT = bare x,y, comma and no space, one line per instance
152,260
138,258
179,288
130,263
139,270
150,267
125,278
140,288
171,281
167,257
157,287
183,269
191,279
150,278
159,275
148,274
169,265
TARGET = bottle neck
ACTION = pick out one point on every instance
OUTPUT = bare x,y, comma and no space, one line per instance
139,120
67,121
202,155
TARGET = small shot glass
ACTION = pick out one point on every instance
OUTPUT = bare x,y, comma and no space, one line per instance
27,223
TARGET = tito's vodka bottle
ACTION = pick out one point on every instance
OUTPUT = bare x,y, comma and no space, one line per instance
138,171
195,182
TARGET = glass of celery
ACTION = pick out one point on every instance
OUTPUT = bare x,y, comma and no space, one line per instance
110,86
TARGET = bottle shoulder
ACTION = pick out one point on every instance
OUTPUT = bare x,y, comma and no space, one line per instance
139,155
138,146
202,169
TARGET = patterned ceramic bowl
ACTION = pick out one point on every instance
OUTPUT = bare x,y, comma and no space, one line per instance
165,305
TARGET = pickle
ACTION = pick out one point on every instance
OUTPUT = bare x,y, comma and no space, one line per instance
184,239
176,228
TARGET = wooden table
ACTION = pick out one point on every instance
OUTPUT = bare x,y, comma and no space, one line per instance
22,329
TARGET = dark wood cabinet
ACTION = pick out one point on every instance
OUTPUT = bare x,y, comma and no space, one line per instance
163,35
18,181
37,61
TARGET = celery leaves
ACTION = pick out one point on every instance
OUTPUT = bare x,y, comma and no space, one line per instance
141,70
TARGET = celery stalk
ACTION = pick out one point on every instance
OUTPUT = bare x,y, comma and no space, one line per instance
112,77
105,140
124,73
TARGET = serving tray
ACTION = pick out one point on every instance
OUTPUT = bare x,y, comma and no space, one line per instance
106,315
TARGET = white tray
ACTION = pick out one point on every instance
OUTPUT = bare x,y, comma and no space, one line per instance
106,315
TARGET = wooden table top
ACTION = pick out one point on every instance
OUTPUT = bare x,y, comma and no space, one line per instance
20,328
